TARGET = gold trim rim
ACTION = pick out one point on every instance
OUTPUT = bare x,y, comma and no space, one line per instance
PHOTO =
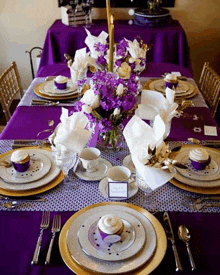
146,269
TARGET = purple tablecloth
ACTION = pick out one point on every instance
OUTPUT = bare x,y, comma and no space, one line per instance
20,229
169,42
152,70
27,122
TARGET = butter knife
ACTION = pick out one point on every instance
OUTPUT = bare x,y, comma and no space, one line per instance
170,236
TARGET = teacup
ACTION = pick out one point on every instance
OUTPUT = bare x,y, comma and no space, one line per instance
90,158
119,174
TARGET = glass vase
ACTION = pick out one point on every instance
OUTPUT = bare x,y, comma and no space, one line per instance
111,140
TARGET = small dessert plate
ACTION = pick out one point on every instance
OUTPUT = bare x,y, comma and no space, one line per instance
93,176
132,238
132,189
40,165
127,162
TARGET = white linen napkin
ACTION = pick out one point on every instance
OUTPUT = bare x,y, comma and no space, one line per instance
153,103
71,132
91,40
139,136
80,65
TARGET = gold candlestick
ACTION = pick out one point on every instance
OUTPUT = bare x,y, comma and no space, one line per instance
111,45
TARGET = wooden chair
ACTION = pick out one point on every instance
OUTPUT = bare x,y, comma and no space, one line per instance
10,85
209,85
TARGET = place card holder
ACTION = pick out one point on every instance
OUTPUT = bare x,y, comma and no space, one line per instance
67,15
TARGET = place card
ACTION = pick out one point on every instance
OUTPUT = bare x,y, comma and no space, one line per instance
118,190
210,131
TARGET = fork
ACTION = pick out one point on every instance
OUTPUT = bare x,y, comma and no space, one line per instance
45,221
55,228
199,206
201,199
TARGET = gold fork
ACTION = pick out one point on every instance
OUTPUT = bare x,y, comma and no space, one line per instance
55,228
45,221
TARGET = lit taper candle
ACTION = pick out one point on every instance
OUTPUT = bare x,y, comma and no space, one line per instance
111,45
108,9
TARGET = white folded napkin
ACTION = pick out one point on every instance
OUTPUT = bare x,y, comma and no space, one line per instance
139,137
153,103
91,40
71,132
135,50
79,67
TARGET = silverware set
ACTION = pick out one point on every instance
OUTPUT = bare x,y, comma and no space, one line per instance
198,203
35,102
11,202
45,222
184,235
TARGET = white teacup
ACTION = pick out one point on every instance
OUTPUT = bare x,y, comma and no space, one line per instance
90,158
119,174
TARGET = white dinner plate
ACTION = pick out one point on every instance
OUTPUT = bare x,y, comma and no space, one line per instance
49,88
209,177
94,176
40,165
132,189
52,174
113,267
132,238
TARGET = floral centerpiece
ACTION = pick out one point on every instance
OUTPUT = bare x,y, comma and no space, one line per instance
109,102
129,56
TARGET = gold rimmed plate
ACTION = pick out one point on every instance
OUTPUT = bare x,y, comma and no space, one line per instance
192,185
154,261
48,184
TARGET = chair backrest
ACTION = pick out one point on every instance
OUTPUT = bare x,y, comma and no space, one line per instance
10,85
209,85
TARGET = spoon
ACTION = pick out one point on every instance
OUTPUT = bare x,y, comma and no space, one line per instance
5,163
10,204
185,236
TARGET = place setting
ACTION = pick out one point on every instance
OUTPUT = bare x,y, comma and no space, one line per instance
102,237
60,88
30,171
203,169
183,88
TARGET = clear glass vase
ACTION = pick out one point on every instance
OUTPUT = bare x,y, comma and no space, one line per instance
111,140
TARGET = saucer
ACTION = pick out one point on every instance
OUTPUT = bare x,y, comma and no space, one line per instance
127,162
103,188
95,176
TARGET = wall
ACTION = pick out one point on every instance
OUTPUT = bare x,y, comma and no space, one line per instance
23,25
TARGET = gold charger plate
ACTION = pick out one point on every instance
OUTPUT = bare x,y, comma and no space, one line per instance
35,191
199,190
146,86
146,269
38,93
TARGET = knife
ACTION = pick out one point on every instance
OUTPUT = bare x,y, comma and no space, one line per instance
170,236
30,198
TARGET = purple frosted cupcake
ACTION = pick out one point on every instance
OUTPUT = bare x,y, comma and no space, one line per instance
20,160
110,228
199,158
61,82
171,81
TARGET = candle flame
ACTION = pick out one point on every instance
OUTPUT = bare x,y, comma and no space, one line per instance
112,19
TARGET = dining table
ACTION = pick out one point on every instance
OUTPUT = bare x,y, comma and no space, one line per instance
168,42
20,227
